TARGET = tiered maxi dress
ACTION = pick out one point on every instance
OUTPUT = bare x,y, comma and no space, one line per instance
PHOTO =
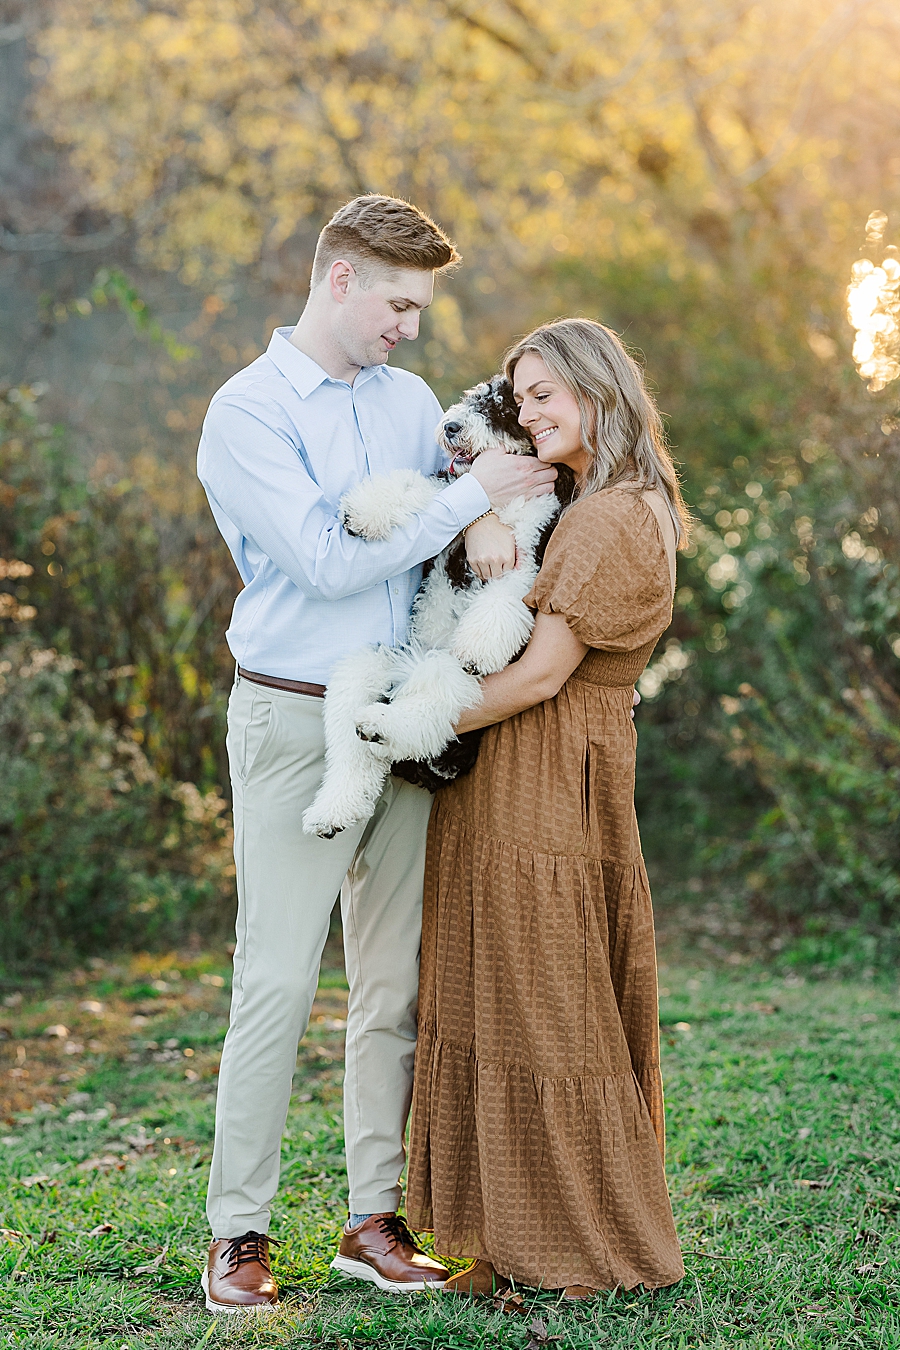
537,1132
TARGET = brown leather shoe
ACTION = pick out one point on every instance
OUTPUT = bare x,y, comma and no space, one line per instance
480,1280
383,1250
238,1275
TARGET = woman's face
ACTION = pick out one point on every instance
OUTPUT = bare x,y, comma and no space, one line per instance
550,414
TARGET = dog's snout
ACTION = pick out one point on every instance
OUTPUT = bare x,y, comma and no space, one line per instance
452,428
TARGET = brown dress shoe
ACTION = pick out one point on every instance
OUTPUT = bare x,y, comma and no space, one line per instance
480,1280
238,1275
383,1250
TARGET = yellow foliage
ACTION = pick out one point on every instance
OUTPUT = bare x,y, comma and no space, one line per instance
218,127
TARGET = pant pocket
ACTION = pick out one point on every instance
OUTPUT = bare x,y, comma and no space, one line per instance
247,742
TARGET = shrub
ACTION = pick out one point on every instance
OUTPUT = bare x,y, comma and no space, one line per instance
96,849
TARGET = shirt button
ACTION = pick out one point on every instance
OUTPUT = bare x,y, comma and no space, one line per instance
396,590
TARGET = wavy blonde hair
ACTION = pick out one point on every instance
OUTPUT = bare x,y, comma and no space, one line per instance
620,423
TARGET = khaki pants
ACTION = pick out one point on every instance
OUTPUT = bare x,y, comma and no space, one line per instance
287,883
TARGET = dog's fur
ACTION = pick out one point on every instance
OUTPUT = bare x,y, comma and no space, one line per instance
393,709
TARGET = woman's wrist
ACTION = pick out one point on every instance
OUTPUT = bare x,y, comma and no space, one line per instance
484,515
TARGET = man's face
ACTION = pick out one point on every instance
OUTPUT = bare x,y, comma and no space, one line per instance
377,310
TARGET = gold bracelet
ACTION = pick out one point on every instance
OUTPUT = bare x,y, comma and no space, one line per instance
488,512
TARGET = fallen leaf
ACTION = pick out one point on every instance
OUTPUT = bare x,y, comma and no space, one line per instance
101,1228
37,1180
871,1269
804,1133
539,1335
152,1265
869,1017
509,1303
767,1008
57,1030
91,1005
47,1237
812,1185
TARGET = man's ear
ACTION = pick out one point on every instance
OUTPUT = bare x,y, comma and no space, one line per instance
340,275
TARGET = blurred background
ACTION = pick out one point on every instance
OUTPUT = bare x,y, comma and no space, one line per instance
706,176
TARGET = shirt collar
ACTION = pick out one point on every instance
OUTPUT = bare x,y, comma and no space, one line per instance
303,373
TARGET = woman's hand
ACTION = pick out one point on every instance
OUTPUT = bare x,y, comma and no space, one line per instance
490,548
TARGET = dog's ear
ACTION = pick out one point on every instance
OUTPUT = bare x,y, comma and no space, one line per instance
502,392
506,412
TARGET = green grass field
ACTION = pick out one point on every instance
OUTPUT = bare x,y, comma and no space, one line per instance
784,1125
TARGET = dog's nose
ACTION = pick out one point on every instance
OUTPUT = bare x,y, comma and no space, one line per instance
452,428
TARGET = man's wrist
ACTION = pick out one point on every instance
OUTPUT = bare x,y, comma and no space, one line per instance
467,498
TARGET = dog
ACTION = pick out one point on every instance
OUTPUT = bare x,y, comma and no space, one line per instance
393,709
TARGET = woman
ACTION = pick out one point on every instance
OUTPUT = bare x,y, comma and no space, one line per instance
537,1124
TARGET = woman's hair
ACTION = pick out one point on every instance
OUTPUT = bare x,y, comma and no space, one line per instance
384,231
620,423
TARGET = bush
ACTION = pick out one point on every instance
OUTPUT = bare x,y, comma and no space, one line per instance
105,840
96,849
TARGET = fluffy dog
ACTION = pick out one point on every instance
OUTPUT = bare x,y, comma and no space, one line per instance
393,709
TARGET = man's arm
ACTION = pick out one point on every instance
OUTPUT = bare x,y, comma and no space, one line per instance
254,475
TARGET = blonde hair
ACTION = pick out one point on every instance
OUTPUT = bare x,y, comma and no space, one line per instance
620,423
385,231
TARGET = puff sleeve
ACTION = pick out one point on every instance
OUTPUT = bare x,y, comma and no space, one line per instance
606,570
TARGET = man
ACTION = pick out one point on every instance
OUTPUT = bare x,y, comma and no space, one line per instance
282,441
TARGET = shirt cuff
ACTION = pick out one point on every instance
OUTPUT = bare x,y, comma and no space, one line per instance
467,499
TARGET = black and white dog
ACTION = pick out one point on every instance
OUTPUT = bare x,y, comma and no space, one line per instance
393,709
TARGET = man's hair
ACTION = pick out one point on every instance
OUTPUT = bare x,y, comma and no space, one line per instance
385,231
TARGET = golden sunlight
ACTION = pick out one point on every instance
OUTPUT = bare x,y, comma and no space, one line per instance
873,309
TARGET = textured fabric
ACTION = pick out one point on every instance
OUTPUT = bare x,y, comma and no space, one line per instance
537,1125
282,441
287,883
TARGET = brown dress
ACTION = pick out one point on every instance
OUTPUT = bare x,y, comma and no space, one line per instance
537,1121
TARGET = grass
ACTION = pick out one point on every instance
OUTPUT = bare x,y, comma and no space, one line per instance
784,1124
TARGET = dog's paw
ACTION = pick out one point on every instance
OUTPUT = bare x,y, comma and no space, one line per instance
325,824
374,725
483,657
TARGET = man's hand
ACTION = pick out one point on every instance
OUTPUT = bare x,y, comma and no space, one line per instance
505,477
490,548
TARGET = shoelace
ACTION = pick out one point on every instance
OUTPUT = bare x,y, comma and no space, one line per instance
249,1247
394,1226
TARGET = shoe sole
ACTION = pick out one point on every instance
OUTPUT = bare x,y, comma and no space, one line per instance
228,1308
361,1270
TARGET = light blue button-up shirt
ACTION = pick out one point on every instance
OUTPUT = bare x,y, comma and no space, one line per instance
282,441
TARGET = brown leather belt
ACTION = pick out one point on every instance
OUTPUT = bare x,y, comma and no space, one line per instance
291,686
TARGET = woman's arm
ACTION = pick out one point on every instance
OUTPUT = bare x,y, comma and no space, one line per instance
549,659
